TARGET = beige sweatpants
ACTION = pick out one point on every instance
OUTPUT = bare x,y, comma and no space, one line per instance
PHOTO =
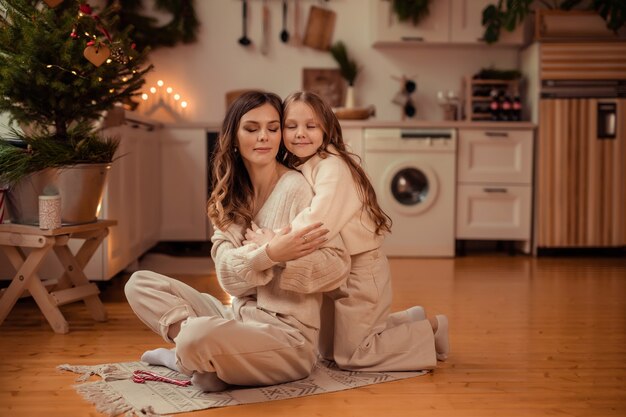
244,346
366,337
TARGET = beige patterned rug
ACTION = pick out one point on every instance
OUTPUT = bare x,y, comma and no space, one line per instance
116,393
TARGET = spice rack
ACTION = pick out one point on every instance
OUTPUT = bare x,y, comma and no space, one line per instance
477,96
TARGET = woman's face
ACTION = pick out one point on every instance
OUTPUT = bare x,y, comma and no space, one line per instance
302,131
259,136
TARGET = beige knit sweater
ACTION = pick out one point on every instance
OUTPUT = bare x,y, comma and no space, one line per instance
293,288
337,204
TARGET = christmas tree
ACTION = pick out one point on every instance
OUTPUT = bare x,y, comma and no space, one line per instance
62,64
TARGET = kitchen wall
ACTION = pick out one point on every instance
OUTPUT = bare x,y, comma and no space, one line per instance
204,71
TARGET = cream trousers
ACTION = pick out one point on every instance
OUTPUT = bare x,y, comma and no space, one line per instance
366,337
248,346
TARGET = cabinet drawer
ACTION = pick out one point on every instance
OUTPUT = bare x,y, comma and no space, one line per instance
493,212
495,156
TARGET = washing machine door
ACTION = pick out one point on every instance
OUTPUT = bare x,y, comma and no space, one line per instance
410,188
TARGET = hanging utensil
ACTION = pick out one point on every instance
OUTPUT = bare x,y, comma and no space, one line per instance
244,40
265,25
284,34
296,39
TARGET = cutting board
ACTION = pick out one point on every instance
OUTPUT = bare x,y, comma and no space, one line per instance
319,28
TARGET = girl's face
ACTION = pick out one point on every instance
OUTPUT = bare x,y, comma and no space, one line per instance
258,137
302,131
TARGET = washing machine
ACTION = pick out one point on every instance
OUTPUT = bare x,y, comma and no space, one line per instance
413,172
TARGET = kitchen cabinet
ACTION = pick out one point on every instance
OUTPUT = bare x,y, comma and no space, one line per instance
448,22
494,185
466,24
387,29
184,185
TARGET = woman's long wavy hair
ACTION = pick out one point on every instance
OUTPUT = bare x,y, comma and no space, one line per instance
333,136
231,200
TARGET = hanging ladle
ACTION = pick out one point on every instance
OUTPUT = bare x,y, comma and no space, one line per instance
244,40
284,35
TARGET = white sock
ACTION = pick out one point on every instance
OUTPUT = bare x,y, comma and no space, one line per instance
208,382
416,313
442,344
161,356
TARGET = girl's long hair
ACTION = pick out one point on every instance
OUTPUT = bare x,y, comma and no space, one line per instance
333,136
232,194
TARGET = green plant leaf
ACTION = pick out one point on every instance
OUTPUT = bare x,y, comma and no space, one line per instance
348,67
490,13
613,12
414,10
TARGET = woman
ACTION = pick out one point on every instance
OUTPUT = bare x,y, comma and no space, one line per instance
270,334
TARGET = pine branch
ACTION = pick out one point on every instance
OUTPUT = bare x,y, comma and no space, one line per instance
83,144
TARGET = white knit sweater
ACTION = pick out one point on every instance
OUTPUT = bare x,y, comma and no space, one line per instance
337,204
293,288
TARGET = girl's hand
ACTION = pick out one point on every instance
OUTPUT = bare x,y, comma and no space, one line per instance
288,245
258,235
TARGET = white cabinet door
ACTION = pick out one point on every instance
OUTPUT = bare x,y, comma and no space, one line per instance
132,197
184,185
493,212
495,156
466,24
387,28
149,189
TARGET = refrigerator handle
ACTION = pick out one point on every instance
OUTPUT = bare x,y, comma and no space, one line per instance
607,120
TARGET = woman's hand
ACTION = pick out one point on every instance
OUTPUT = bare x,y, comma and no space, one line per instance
287,245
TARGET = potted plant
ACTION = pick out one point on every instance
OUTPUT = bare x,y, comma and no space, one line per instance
508,14
413,10
348,69
63,65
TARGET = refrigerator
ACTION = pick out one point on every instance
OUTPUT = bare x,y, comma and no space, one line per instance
578,98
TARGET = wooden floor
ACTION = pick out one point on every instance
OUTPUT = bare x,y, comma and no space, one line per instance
529,337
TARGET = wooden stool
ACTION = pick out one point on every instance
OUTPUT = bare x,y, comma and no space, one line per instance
72,286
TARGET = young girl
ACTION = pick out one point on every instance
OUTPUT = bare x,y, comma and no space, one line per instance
270,334
366,336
